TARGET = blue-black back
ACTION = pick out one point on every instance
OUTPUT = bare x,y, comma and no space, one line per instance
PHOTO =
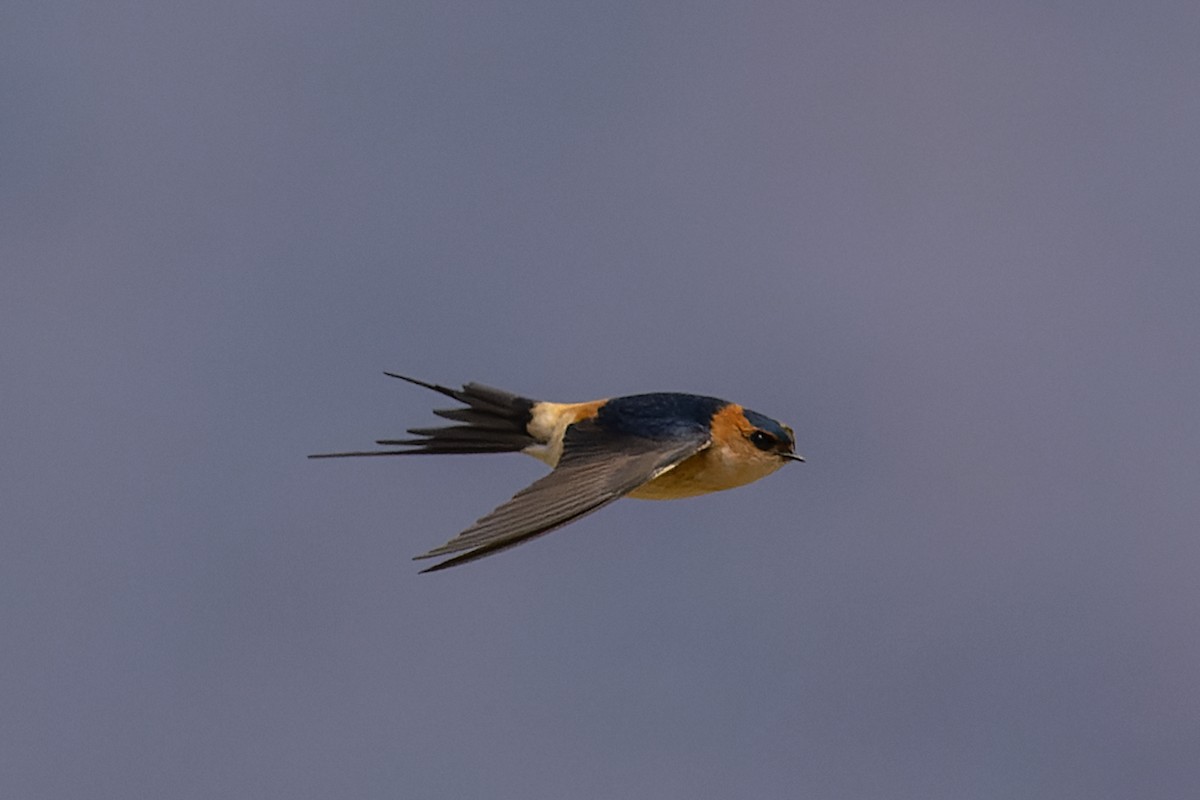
658,415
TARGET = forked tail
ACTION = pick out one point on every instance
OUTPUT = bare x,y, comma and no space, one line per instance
494,421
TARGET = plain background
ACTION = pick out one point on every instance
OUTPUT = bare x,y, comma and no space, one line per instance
955,245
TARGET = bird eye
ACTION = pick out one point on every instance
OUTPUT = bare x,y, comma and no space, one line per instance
762,440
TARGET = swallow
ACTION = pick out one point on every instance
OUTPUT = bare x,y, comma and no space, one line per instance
659,446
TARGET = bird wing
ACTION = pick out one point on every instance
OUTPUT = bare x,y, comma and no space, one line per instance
596,468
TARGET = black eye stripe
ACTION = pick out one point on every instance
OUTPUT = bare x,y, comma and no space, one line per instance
762,440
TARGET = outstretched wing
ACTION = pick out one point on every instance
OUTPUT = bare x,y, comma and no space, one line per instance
596,468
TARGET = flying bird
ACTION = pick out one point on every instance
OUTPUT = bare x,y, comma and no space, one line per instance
658,446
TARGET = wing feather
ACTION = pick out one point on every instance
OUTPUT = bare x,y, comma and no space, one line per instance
595,470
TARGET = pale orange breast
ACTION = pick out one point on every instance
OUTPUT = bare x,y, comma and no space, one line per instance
713,469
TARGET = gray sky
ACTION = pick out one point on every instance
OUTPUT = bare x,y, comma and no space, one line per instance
955,246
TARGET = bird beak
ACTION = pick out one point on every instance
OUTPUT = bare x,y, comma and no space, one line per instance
793,457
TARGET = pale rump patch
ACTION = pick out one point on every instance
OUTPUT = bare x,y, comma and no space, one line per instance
548,424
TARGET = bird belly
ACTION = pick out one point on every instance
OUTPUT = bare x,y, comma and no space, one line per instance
707,471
